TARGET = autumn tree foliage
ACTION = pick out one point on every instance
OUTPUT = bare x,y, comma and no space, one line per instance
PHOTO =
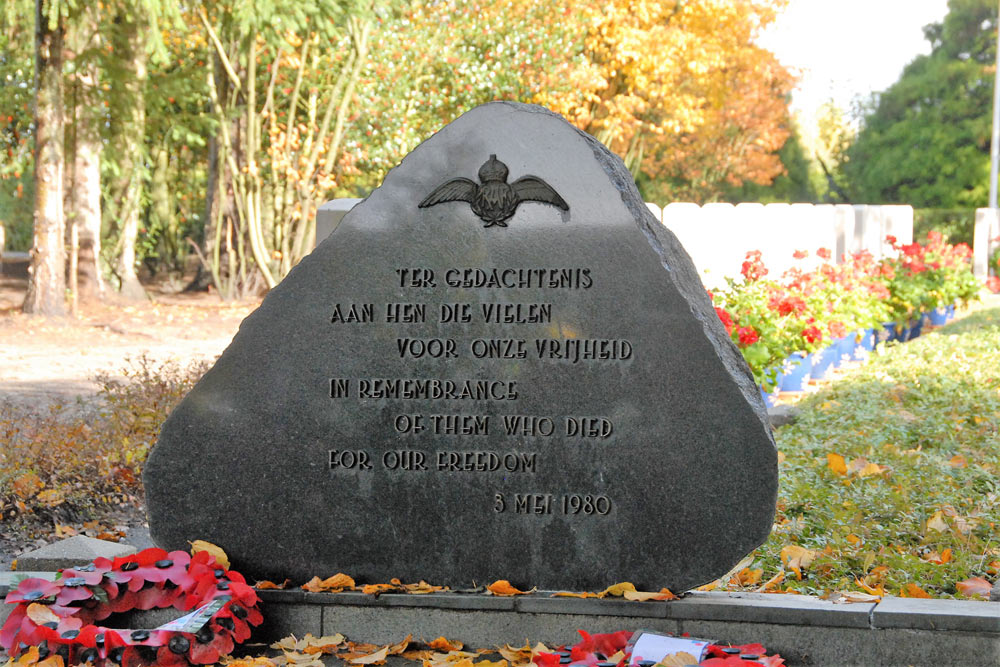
681,91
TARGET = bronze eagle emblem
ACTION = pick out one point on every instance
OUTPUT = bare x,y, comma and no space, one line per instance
495,200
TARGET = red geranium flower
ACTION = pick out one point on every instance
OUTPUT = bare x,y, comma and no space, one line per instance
727,320
837,329
812,334
824,253
748,336
800,254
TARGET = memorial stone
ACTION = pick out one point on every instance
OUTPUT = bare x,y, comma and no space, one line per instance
498,366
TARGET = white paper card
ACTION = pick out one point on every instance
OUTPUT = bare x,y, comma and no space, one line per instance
651,646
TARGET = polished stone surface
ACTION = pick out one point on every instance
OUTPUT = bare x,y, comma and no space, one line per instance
493,386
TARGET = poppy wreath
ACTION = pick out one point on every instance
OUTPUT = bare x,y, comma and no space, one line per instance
62,617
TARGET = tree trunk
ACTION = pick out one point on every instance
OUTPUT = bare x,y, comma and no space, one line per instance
131,35
47,275
83,173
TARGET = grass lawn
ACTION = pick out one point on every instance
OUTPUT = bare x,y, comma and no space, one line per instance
890,478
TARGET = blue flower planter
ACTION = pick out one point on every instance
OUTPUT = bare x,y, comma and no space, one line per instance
950,312
938,317
845,349
914,329
865,344
795,371
823,361
889,332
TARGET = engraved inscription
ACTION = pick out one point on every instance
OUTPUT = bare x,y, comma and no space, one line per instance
453,341
573,504
416,460
353,313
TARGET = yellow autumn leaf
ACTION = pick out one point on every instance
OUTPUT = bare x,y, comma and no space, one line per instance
41,614
646,596
797,558
911,590
746,577
504,588
957,461
679,659
335,584
772,583
836,463
617,590
710,586
220,556
937,523
376,658
442,644
568,594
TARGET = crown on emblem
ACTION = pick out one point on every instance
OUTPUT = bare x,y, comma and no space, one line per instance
493,170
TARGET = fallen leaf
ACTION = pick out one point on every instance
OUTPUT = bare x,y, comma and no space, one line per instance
836,463
877,591
796,558
376,658
419,588
396,649
851,597
911,590
27,485
221,559
938,558
710,586
644,596
270,585
974,586
772,583
442,644
617,590
325,645
937,523
679,659
503,587
567,594
335,584
378,589
853,539
957,461
41,614
746,577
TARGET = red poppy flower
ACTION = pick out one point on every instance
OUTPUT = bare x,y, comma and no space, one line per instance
208,653
33,589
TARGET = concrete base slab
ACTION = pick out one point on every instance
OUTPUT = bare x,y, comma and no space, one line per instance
804,630
73,551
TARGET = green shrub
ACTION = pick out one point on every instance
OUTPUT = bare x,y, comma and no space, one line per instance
69,464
